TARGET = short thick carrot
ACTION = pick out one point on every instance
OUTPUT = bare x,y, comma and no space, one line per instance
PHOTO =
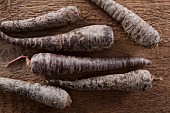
139,30
48,95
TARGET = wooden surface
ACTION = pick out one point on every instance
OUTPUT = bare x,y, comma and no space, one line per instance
155,12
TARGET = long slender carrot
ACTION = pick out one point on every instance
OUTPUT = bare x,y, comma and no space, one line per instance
52,65
139,30
139,80
59,18
48,95
89,38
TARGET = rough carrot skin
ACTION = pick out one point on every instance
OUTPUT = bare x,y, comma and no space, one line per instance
59,18
139,30
52,65
89,38
138,80
48,95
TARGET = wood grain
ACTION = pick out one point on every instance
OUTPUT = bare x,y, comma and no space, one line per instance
155,12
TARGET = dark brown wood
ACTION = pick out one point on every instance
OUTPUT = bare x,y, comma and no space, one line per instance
155,12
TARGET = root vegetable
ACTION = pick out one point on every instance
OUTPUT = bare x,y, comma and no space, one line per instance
139,30
89,38
52,65
48,95
59,18
138,80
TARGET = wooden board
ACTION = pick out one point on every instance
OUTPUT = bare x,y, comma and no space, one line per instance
155,12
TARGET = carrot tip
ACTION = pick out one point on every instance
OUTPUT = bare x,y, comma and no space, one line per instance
157,78
27,62
69,101
6,65
149,62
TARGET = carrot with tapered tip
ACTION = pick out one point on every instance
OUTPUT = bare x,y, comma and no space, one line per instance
139,80
52,64
59,18
139,30
89,38
49,64
48,95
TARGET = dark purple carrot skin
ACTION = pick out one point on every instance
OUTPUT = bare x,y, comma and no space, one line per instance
59,18
52,65
139,80
48,95
89,38
139,30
